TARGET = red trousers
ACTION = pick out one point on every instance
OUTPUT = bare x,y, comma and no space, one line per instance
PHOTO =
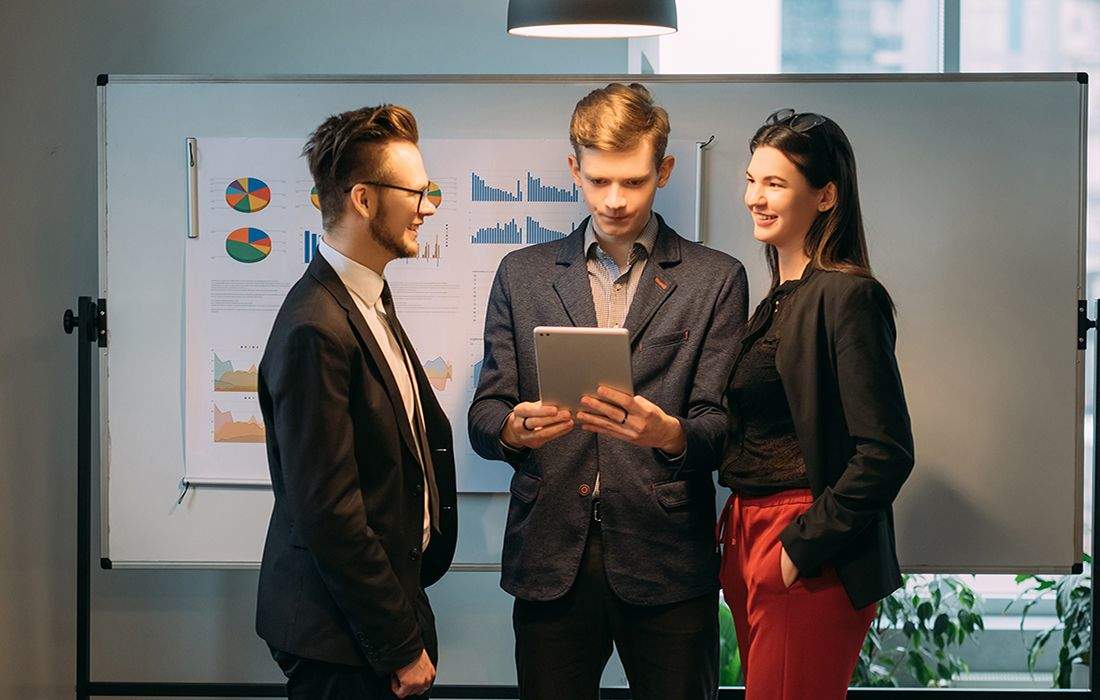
800,642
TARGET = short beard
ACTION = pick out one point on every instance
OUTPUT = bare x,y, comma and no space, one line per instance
392,243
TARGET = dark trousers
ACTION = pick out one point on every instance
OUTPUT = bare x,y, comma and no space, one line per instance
309,679
668,651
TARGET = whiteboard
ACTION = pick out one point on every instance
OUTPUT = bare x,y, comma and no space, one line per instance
973,195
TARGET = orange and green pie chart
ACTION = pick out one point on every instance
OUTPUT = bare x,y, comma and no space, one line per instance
248,194
435,194
315,198
248,245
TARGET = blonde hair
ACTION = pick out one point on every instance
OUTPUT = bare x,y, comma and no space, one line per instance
617,118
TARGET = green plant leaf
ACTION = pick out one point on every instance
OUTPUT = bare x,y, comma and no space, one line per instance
924,611
942,624
966,597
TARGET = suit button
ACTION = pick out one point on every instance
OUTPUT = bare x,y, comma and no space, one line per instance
414,554
583,489
417,489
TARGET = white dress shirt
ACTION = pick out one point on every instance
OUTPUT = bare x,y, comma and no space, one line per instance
365,287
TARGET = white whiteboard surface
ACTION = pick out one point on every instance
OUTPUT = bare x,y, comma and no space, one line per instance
972,193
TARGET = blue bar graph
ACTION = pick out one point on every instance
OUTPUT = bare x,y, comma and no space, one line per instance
481,192
536,233
501,233
538,192
309,245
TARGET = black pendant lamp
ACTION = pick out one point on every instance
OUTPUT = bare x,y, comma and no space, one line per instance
591,19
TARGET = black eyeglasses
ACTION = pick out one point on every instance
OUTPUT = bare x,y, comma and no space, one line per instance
432,192
799,121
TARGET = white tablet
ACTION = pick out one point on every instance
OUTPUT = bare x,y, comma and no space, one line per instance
573,362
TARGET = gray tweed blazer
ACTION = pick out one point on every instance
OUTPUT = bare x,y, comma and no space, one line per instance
657,514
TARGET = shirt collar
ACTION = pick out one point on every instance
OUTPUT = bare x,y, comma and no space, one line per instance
793,284
645,239
360,280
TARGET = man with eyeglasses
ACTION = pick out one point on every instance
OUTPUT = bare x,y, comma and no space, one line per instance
359,450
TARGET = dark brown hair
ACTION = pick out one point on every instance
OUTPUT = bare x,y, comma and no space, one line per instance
823,154
347,148
617,118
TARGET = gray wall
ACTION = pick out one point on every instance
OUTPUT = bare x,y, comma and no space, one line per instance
183,626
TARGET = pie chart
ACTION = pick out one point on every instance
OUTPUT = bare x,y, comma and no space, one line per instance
248,245
315,198
435,194
248,195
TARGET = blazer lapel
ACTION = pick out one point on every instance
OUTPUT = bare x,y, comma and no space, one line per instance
572,285
327,277
657,283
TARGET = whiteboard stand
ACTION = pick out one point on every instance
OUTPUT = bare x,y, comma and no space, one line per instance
1084,324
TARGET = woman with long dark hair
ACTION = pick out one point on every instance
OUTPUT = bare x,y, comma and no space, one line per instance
820,441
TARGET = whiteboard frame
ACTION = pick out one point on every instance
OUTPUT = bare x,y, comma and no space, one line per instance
104,81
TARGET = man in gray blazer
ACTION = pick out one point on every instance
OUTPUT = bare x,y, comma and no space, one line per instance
610,533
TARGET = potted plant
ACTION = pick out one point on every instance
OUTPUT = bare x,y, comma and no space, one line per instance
729,657
1073,606
935,616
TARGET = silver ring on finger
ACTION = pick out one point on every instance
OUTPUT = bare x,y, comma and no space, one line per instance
625,416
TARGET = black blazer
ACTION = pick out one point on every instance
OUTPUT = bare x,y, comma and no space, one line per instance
657,515
342,575
837,365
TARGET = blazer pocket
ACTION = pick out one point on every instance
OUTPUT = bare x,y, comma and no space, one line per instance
672,494
665,339
525,487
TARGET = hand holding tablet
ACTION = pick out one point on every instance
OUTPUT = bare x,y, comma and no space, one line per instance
531,425
571,362
586,372
633,419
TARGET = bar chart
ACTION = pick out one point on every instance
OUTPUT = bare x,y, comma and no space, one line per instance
538,192
480,191
500,233
309,246
537,233
430,250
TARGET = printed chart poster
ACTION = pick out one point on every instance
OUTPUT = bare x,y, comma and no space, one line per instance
259,225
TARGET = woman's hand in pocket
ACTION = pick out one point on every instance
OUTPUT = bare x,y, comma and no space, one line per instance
787,568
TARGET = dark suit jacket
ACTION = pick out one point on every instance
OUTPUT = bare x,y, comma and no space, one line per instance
836,361
658,516
342,575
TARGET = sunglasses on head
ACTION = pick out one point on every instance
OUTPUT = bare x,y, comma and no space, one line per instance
799,121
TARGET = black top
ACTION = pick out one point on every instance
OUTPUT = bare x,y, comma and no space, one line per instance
841,379
763,456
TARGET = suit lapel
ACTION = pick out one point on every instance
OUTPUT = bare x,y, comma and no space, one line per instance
657,283
327,277
572,285
655,286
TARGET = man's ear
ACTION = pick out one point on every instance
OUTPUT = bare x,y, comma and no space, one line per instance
575,168
664,170
359,200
